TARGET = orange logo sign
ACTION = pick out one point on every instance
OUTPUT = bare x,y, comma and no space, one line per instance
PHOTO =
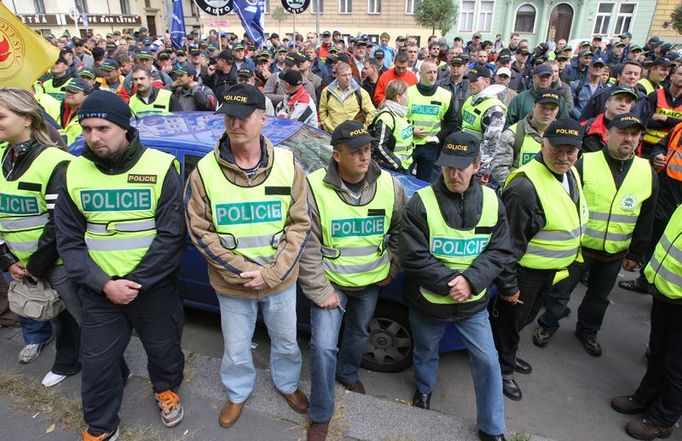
12,51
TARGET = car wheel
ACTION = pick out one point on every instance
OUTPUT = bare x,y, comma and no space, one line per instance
389,347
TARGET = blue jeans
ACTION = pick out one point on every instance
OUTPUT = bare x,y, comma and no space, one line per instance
485,368
35,332
324,347
238,321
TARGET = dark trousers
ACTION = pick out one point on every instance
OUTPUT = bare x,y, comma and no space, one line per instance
656,232
601,279
661,387
508,320
157,316
424,158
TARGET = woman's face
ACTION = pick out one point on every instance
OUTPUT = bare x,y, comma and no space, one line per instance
401,99
14,128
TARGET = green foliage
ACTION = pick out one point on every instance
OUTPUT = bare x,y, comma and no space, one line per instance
437,14
677,19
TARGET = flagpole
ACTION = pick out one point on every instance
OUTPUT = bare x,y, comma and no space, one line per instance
317,17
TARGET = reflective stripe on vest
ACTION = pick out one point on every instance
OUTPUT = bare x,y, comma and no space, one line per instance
613,212
119,209
427,112
353,237
56,92
665,268
23,208
646,84
160,106
472,115
674,156
250,220
457,249
557,245
402,133
652,136
529,148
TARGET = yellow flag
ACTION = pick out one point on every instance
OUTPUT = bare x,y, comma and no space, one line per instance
24,55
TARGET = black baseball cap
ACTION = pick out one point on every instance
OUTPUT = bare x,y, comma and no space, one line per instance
522,51
625,121
379,53
504,58
478,72
351,133
543,70
293,77
565,131
598,60
621,89
661,61
459,150
195,51
547,96
326,34
244,72
292,59
227,56
241,100
457,60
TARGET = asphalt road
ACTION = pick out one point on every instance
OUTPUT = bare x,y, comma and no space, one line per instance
565,398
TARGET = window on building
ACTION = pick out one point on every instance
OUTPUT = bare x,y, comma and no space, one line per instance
194,9
345,6
40,6
485,16
624,19
466,16
125,7
374,6
147,3
314,5
525,19
603,18
411,6
266,6
82,5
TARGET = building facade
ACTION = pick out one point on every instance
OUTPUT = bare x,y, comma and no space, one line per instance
661,25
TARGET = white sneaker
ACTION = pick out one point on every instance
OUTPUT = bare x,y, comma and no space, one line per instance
51,379
30,353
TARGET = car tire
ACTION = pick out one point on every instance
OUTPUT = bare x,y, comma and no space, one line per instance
389,346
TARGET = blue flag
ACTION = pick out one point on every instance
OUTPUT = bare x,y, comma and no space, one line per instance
250,13
177,27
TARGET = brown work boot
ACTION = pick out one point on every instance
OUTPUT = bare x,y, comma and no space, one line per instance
641,428
358,387
230,413
296,400
627,405
318,431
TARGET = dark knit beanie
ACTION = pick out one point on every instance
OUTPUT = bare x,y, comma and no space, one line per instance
105,105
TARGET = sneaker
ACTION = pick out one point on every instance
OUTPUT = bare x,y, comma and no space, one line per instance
172,411
641,428
31,352
542,336
109,436
51,379
591,344
626,404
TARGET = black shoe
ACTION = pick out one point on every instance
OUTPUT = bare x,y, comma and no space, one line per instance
485,437
591,344
420,400
511,390
541,337
522,367
634,285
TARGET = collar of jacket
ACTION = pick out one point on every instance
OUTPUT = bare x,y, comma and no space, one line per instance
121,162
226,157
333,178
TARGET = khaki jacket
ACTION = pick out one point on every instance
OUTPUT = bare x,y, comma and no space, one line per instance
224,266
312,280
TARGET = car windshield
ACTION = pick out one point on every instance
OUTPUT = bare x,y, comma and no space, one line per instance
311,148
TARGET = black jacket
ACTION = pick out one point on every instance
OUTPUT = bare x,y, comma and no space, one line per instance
597,105
43,259
461,211
219,82
670,190
163,257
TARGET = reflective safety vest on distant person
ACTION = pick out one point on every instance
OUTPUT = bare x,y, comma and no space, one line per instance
472,115
664,271
250,220
160,106
427,112
402,133
652,136
23,207
613,212
457,249
56,92
557,244
673,159
525,146
120,209
354,237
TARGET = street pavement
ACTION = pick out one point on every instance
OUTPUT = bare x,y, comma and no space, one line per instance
566,398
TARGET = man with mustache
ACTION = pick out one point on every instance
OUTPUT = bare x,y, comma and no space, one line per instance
620,189
547,215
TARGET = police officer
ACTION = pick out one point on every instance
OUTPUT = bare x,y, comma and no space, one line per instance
121,233
666,112
620,189
454,242
149,100
659,396
351,253
247,213
547,215
430,109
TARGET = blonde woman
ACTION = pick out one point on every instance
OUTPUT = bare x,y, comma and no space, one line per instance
32,177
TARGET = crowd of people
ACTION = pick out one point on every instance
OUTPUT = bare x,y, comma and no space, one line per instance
547,166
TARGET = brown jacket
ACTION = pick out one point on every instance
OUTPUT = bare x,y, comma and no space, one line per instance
224,266
312,280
